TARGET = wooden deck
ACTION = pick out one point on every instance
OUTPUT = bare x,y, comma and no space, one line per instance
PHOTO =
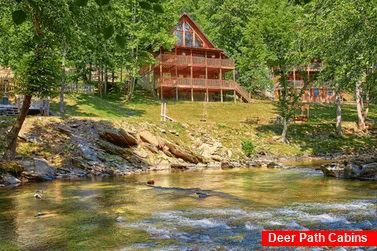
196,83
204,84
180,60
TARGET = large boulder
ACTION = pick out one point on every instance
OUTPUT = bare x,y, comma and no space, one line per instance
207,150
182,153
10,180
119,137
332,170
38,170
368,171
149,138
350,170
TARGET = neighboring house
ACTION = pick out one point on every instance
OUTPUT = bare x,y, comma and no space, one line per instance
6,82
322,93
194,69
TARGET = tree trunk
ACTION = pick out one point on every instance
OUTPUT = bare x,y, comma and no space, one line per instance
131,88
285,129
121,74
366,105
45,109
106,79
361,122
62,88
99,82
90,74
338,100
10,151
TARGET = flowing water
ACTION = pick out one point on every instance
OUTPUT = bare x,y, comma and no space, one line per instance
198,210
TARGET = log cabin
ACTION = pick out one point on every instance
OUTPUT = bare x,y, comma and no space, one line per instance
321,93
194,69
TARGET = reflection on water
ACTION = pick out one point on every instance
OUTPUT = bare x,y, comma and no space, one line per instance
227,209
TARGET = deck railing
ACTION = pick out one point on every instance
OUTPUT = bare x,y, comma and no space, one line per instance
196,83
169,59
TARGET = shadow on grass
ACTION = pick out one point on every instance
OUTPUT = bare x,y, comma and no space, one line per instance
318,135
327,112
110,106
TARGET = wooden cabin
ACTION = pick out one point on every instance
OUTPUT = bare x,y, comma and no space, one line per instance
194,69
322,93
6,82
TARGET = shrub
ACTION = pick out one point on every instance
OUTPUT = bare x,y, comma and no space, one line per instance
12,167
248,147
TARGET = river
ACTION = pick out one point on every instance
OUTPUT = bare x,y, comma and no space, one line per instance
196,210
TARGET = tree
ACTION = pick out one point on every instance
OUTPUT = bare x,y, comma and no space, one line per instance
33,56
273,41
44,34
346,42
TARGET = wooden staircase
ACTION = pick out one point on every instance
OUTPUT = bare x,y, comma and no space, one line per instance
242,92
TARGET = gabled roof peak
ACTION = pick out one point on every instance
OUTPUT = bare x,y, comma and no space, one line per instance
185,16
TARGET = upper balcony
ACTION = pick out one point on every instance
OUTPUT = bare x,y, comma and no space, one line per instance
196,83
182,60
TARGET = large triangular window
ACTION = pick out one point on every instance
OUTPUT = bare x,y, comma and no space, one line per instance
186,35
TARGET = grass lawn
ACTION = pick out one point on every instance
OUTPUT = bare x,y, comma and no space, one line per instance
226,122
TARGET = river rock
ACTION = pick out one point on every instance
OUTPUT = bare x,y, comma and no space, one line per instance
119,137
332,170
368,171
256,164
38,170
229,165
87,152
149,138
350,171
10,180
229,153
183,154
151,148
216,158
207,150
179,167
273,165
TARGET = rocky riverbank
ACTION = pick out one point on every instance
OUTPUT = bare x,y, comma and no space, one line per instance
87,148
358,169
77,149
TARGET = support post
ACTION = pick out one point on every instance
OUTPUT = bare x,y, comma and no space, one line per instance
192,94
221,84
162,111
234,83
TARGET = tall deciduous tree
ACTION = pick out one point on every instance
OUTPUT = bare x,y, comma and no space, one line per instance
346,42
274,41
31,46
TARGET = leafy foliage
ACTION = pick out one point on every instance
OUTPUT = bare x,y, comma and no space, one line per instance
19,16
248,147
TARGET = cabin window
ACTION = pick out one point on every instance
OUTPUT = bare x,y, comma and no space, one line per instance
179,26
315,92
187,27
186,35
188,38
179,34
198,42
